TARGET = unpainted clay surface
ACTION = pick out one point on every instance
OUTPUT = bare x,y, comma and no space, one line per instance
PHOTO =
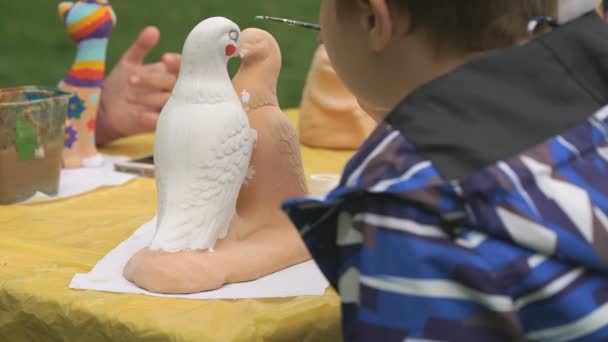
277,160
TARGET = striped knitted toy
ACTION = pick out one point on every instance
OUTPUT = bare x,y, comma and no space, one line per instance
89,23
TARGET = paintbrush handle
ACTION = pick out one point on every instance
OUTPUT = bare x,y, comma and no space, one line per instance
291,22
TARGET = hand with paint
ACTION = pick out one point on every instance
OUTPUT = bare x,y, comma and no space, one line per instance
134,92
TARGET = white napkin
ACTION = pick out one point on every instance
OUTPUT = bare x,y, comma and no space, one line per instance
75,182
301,280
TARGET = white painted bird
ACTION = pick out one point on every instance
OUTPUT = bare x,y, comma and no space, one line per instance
203,144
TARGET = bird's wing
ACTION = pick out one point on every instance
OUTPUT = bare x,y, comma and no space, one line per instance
289,147
161,147
217,187
209,201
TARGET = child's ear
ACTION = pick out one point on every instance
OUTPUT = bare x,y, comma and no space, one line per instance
64,8
377,19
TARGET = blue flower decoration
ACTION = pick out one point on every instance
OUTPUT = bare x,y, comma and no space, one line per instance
70,136
75,107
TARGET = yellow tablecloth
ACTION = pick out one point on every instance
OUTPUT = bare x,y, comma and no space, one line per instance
43,245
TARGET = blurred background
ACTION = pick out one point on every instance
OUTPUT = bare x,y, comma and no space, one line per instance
35,48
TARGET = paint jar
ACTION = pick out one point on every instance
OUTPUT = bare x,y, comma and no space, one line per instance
32,125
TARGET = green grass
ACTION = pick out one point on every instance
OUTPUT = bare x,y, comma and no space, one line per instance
35,49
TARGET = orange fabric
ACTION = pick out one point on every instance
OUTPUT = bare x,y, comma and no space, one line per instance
330,115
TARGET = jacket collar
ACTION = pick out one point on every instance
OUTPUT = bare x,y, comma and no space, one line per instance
497,106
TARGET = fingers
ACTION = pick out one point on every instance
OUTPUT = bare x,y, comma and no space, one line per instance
152,101
172,62
149,93
147,120
154,81
154,67
146,41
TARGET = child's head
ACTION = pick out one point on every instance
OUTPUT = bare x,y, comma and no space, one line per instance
384,49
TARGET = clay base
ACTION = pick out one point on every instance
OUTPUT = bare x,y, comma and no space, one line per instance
264,252
175,273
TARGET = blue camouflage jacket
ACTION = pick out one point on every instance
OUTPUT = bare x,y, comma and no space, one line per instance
478,211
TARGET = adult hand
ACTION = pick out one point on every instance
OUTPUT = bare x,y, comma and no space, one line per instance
154,84
120,113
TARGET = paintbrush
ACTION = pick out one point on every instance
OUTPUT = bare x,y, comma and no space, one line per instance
291,22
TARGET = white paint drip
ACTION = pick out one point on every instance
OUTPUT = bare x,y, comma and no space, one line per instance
245,97
250,174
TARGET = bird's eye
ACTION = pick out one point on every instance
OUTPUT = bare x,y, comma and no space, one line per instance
234,35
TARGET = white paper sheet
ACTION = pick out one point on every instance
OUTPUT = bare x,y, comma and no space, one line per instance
75,182
301,280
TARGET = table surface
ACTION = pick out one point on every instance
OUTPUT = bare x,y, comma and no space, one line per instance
42,246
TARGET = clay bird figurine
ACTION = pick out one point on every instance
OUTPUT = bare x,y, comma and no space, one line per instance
276,161
203,144
261,239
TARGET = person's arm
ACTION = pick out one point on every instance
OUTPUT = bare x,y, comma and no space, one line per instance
402,276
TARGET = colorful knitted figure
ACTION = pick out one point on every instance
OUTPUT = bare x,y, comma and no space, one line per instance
89,23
